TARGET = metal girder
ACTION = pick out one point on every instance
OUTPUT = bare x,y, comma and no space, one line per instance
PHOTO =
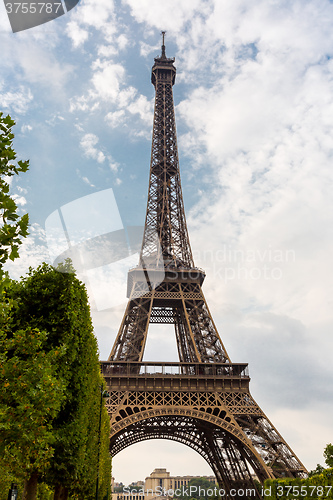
180,303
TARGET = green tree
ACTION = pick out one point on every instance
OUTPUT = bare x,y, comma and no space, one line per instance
24,414
56,302
30,397
200,488
328,455
118,489
12,227
104,455
318,470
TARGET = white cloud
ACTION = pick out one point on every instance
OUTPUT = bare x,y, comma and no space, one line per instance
115,118
88,143
79,127
41,67
78,35
114,166
120,102
26,128
16,101
87,181
55,119
19,200
83,103
122,41
146,49
172,13
4,21
107,81
143,108
33,252
273,173
107,51
94,13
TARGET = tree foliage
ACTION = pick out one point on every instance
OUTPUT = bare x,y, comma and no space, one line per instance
328,455
105,459
12,227
318,470
311,488
30,396
200,488
55,359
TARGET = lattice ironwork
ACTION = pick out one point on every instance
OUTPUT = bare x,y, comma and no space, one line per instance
204,401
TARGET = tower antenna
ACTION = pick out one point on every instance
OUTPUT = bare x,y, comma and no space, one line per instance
163,46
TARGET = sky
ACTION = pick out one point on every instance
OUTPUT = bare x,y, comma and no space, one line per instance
254,112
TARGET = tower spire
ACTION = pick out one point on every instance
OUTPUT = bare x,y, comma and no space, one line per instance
163,46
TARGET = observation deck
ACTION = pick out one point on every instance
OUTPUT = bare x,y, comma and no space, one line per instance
174,376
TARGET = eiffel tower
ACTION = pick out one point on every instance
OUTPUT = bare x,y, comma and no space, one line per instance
202,401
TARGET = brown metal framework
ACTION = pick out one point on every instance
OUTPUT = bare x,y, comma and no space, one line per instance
204,400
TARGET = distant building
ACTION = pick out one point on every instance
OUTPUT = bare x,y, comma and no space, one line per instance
161,479
155,485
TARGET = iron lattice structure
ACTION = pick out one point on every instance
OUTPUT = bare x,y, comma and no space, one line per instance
204,400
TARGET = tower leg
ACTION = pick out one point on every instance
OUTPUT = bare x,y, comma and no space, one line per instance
132,335
230,464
